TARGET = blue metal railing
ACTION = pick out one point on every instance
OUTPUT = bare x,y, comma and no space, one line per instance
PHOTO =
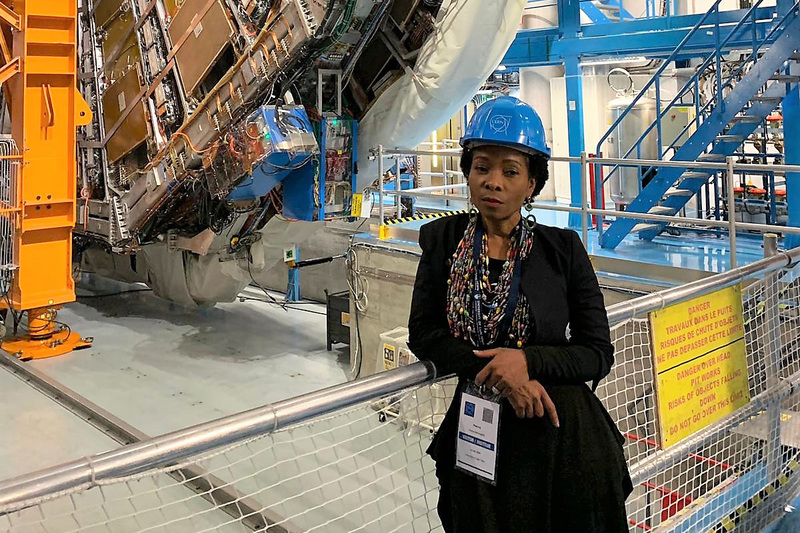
693,85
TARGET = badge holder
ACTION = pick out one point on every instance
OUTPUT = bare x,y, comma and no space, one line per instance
478,431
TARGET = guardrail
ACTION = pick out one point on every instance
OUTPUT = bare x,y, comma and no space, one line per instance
153,455
585,210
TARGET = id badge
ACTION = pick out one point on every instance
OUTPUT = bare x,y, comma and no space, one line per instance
478,429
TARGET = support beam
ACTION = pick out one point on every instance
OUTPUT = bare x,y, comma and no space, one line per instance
4,47
569,17
791,122
574,83
651,38
8,16
569,27
8,70
7,57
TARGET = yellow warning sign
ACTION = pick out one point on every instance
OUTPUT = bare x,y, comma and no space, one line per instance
700,362
357,200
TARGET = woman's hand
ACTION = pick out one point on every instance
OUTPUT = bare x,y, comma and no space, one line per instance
532,400
506,372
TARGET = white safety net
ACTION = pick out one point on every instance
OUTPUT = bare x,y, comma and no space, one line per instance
739,473
362,469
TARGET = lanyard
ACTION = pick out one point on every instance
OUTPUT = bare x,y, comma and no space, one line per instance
513,297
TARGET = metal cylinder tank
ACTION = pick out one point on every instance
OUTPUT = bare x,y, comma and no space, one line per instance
624,183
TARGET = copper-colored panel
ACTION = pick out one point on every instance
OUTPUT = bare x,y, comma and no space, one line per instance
171,6
108,9
205,42
120,49
116,100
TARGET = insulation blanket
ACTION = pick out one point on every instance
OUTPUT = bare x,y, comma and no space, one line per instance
469,41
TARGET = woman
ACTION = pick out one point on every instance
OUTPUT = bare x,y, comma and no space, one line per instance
515,307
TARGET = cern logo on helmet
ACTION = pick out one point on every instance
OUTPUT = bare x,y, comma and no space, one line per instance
500,123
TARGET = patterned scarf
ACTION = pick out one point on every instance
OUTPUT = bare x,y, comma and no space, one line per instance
461,291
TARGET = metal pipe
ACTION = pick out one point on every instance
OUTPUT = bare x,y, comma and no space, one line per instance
642,216
397,188
731,212
772,351
210,487
584,206
196,440
178,445
381,216
436,196
629,309
422,152
446,179
436,188
607,161
669,218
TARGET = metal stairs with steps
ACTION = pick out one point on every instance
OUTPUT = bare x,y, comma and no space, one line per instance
726,125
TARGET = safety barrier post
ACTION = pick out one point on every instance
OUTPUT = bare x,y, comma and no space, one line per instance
772,352
731,211
584,206
382,231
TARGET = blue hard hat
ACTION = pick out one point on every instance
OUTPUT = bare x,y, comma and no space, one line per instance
507,121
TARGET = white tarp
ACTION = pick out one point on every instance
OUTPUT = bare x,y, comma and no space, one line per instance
466,46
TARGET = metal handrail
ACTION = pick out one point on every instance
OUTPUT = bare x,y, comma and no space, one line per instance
767,38
174,447
586,211
182,444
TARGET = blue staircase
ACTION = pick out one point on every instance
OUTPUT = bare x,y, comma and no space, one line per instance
741,102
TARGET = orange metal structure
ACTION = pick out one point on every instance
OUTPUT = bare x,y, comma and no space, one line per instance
39,76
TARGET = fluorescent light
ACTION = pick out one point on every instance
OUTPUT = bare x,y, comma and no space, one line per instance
501,67
613,61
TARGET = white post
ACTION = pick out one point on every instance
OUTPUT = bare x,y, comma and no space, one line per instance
731,213
584,206
397,187
772,351
380,185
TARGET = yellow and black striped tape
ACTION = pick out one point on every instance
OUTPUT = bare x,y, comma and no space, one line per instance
730,522
428,216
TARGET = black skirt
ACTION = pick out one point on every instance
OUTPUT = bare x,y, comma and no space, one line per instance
568,479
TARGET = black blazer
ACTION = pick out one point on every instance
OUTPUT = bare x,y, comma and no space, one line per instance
561,287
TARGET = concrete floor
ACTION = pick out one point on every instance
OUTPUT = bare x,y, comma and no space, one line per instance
37,433
161,367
